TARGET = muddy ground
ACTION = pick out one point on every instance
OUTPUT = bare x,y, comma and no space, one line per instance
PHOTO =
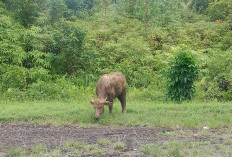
27,135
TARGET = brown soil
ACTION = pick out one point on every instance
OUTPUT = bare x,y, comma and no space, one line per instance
27,135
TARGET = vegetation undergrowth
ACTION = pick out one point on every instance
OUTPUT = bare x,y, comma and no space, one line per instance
139,113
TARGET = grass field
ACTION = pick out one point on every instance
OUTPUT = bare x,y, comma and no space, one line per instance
139,113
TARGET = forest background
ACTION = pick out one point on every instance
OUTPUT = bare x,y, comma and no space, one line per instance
58,49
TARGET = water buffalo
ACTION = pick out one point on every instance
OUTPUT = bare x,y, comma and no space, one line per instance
109,87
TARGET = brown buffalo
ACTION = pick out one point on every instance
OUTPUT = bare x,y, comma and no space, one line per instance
109,87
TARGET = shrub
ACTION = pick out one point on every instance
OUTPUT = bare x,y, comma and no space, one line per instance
181,75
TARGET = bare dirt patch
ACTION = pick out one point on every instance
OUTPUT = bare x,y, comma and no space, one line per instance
27,135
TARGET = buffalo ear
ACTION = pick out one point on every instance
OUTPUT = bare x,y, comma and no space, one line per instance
107,103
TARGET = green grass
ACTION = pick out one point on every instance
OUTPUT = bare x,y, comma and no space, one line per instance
55,153
25,152
190,149
103,141
75,152
14,152
72,144
228,142
39,149
168,133
139,113
119,145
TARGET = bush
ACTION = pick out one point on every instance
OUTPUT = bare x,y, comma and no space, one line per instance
181,75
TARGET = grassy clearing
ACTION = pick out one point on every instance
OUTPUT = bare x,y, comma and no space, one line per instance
190,149
194,115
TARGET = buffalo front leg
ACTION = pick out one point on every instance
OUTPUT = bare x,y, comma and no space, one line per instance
110,99
110,108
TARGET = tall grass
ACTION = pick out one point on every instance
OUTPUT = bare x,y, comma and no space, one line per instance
139,113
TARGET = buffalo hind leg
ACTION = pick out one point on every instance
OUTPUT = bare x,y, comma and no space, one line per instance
122,99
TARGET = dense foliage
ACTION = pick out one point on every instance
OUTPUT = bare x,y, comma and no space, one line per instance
57,49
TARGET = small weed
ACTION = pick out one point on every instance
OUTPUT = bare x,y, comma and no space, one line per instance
204,133
184,132
1,147
151,149
82,147
55,153
228,141
71,144
98,151
75,152
175,150
103,142
68,144
38,149
89,148
15,152
205,143
219,146
167,133
119,145
173,146
221,131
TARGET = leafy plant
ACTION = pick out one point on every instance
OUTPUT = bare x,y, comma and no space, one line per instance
181,75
